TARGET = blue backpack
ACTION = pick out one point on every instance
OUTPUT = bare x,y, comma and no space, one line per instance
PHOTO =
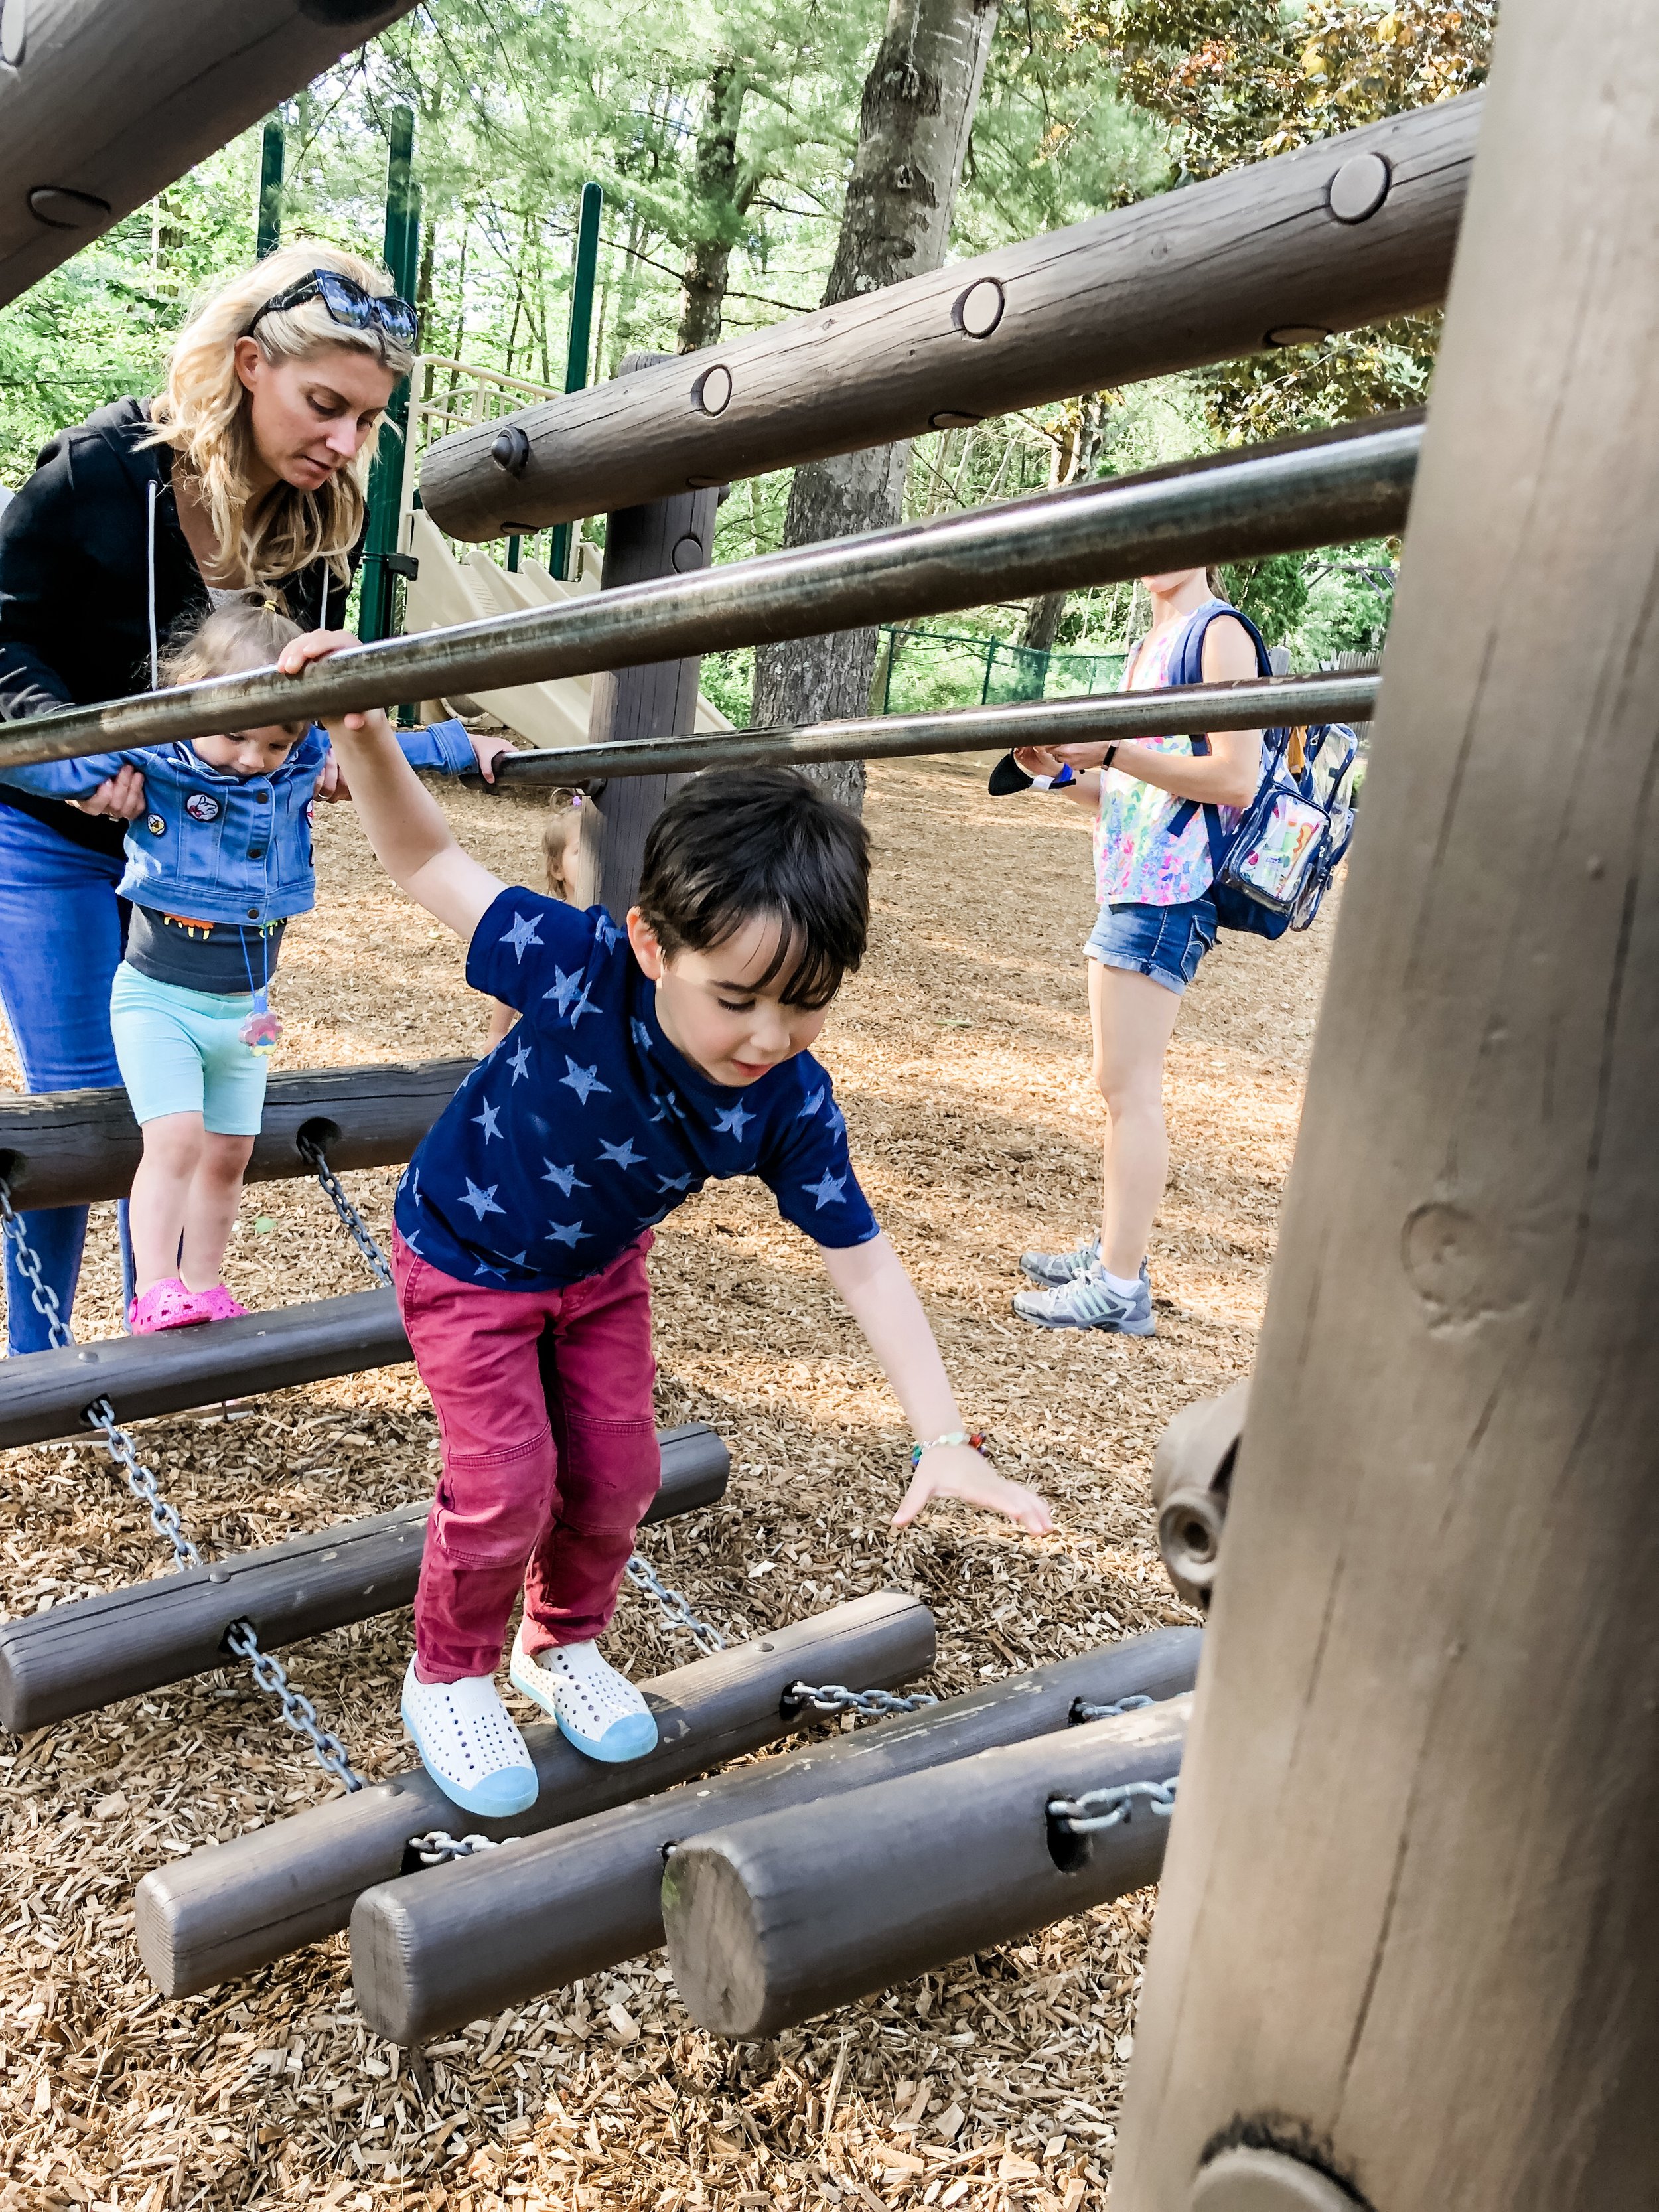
1274,867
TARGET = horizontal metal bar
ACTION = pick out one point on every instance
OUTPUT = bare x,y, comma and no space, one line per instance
1192,708
1276,499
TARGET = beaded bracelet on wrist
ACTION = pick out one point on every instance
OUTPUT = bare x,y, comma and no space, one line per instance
974,1442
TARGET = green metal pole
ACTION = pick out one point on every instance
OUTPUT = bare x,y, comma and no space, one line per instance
401,253
267,216
581,332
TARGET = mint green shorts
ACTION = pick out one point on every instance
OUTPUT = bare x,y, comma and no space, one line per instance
181,1052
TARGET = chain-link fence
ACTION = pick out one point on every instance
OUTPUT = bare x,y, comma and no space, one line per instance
923,671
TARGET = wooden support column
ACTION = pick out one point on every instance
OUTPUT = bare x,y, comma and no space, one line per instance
665,538
1410,1917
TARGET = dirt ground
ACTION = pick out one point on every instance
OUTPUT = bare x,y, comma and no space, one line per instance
960,1054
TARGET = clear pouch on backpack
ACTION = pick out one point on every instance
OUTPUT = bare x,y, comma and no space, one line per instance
1274,847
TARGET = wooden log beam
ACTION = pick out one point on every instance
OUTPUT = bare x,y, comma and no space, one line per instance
236,1906
46,1394
1410,1914
1286,497
105,102
1346,231
74,1147
495,1929
1199,708
772,1920
87,1654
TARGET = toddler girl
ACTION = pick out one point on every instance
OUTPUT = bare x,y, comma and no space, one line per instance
218,863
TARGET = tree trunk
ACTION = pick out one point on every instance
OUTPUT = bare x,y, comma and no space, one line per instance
917,111
1075,458
720,205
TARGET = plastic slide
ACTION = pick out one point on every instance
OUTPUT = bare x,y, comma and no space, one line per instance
448,591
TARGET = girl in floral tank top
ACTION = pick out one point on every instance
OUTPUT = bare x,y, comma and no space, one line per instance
1157,922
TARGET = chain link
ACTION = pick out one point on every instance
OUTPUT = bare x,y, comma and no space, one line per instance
357,1228
299,1712
1107,1808
677,1609
1083,1711
28,1267
865,1705
163,1514
437,1848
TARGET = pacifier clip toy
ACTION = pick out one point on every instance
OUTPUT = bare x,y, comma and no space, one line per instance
262,1032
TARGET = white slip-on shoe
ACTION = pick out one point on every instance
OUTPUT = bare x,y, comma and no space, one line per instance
597,1708
468,1744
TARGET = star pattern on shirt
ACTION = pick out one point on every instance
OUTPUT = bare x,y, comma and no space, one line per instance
582,1081
489,1122
827,1190
665,1103
606,930
641,1034
733,1121
520,1062
622,1155
565,987
566,1232
672,1182
481,1201
811,1107
488,1267
567,1178
523,932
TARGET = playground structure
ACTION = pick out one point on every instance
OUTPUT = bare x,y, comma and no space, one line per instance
1402,1950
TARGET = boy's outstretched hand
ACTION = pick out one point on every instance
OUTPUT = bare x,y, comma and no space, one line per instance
958,1471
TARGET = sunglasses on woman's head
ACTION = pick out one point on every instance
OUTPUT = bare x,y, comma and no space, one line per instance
347,303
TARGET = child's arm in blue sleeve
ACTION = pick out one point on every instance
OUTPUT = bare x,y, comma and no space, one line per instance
68,779
445,745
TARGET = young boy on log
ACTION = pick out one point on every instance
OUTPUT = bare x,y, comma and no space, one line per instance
646,1060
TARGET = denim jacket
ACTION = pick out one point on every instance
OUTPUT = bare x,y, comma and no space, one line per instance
220,847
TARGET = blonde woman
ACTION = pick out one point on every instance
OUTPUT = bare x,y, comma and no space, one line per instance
247,473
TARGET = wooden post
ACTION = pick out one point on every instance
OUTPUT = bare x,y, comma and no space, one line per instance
1410,1918
103,103
664,538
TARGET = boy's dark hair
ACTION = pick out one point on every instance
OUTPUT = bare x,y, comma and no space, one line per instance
736,843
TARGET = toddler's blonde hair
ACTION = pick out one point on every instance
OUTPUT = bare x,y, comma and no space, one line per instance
560,832
228,641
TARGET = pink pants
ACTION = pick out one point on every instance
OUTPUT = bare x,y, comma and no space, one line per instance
549,1455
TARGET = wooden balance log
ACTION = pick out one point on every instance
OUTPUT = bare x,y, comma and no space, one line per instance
233,1907
89,1653
460,1942
75,1147
772,1920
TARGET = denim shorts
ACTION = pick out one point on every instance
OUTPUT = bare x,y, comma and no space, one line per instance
1164,942
181,1052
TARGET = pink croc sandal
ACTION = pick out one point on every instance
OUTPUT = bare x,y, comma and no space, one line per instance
217,1303
172,1305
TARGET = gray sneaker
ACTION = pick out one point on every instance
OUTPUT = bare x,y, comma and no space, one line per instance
1051,1269
1090,1301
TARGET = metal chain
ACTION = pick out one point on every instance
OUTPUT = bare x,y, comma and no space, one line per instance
677,1608
866,1704
1083,1711
1107,1808
357,1228
437,1848
298,1711
163,1515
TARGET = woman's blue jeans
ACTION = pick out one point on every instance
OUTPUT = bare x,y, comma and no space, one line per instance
62,931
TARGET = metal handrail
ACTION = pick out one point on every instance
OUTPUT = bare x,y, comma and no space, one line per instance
1276,499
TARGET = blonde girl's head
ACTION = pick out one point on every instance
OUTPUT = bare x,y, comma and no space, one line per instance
232,640
276,419
560,836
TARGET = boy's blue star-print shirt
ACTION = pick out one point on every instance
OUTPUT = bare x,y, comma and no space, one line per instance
585,1126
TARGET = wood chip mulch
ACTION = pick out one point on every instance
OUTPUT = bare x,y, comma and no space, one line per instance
960,1054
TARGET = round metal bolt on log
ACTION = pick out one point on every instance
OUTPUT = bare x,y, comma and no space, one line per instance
1359,187
979,310
712,392
65,211
1246,2180
1192,1477
511,450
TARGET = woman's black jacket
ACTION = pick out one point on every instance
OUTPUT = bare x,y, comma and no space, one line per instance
74,584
